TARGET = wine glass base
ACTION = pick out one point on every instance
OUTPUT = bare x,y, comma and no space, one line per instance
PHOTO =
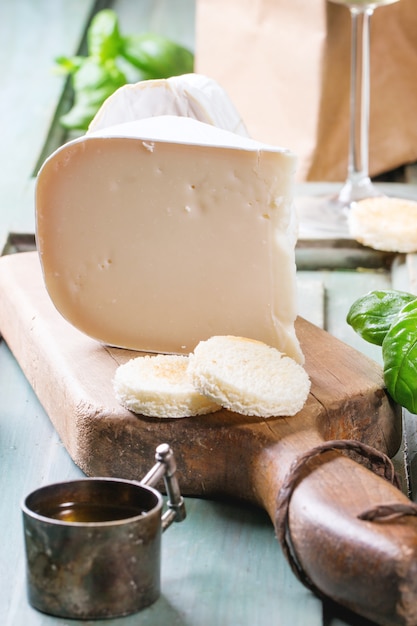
322,218
326,217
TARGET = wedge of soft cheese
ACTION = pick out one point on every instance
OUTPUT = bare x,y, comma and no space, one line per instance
156,234
188,95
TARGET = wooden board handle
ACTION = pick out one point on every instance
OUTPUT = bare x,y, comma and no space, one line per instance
368,566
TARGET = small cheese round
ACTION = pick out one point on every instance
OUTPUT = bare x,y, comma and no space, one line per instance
248,377
159,386
384,223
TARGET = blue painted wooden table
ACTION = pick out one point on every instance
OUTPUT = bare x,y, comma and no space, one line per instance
223,566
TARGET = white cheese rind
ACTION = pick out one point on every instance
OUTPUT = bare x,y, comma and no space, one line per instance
182,130
189,95
157,245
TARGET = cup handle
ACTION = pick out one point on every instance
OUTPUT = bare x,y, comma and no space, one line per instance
166,468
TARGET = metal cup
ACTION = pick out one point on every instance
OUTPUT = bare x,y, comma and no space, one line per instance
93,546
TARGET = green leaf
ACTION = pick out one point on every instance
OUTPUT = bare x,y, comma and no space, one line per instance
103,36
372,315
113,61
93,83
157,56
399,351
68,65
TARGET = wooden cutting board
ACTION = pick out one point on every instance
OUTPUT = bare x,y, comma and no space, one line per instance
229,455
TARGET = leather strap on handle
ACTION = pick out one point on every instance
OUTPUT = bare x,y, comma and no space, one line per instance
364,557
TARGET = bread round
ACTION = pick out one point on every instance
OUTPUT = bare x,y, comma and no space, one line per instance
384,223
159,386
248,377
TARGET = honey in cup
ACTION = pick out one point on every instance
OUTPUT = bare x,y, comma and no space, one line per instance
89,512
93,547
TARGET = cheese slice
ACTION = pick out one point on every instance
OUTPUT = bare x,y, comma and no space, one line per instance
188,95
156,234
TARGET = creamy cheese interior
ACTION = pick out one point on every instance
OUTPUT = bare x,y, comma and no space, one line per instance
156,234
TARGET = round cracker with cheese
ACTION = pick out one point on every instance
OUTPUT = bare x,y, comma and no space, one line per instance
159,386
384,223
248,377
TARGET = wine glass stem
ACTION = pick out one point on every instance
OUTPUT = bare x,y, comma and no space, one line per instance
358,163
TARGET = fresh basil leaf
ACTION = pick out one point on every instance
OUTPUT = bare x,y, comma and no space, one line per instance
68,65
113,61
372,315
156,56
93,83
399,351
103,35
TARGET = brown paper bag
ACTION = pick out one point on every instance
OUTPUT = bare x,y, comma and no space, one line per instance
286,66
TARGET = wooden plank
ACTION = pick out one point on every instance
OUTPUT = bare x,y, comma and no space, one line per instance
48,346
231,588
339,254
31,454
223,562
31,92
32,35
311,299
72,377
341,289
336,290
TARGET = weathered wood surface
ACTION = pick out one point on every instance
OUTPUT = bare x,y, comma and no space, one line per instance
33,96
32,35
227,455
224,565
